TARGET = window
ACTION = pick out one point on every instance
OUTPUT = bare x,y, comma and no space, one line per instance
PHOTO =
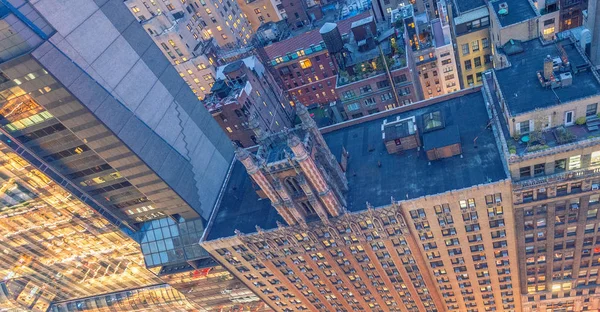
574,162
433,120
591,109
400,79
595,161
370,101
365,89
348,94
539,169
352,107
525,172
257,11
477,61
485,43
470,79
465,49
560,165
305,64
475,45
468,65
383,84
523,127
418,213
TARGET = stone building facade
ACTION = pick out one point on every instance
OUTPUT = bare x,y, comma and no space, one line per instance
449,251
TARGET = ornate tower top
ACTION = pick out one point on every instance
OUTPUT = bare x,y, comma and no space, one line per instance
296,171
248,160
304,115
258,131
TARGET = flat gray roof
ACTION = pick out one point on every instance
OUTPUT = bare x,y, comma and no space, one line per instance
404,176
522,89
518,11
463,6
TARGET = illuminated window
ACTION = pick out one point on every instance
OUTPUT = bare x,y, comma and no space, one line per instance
549,31
135,9
305,64
574,162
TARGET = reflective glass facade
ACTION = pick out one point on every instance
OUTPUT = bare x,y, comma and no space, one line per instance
54,247
155,298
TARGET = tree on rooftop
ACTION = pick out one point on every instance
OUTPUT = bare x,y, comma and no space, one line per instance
540,121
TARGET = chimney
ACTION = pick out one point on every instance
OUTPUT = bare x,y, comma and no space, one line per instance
548,68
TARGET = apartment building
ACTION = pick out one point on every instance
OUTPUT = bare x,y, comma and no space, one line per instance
571,13
513,20
431,52
546,105
259,12
343,230
471,34
110,164
190,33
247,102
382,9
373,76
304,67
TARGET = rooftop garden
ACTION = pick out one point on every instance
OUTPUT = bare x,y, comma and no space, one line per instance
396,58
541,139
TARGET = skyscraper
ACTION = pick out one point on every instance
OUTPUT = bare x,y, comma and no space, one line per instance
110,164
378,214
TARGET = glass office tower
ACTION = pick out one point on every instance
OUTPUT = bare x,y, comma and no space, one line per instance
109,167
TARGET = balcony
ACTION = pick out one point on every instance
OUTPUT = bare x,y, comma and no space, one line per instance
560,136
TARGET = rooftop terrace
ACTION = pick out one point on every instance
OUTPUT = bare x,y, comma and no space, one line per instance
518,11
522,89
404,176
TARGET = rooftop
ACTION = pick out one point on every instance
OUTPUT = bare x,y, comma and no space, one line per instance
518,11
307,39
241,208
463,6
521,88
403,176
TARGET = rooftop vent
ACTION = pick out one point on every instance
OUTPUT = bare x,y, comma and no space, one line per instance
400,135
556,73
503,9
566,79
